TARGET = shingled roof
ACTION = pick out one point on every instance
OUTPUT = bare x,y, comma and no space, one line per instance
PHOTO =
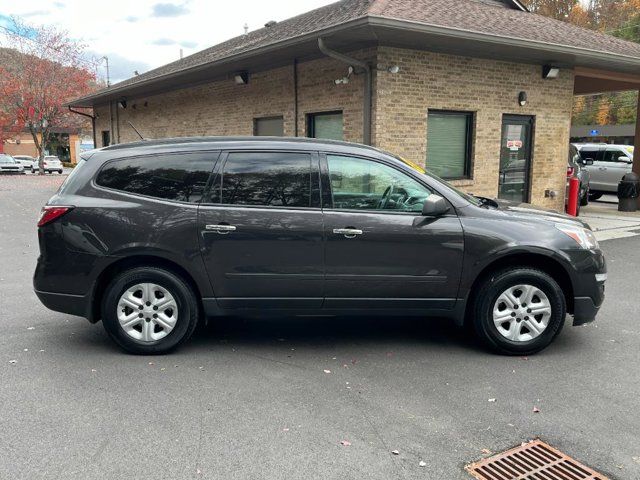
493,20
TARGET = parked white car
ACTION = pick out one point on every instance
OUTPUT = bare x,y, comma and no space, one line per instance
610,164
52,164
9,165
29,163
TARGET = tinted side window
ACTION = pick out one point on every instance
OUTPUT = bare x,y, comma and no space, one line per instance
612,155
594,154
179,177
267,179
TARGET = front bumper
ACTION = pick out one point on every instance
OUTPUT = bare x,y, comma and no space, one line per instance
584,310
588,286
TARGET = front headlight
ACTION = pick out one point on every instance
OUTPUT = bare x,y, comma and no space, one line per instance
582,236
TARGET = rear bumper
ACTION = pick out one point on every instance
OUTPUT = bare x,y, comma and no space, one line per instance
65,303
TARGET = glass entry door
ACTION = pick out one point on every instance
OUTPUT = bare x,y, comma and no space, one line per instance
515,158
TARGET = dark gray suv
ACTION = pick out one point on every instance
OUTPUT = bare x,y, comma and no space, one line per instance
152,237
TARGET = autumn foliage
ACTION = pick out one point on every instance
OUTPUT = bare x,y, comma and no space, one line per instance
47,69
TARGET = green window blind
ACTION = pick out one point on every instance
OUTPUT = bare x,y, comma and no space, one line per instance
326,125
448,144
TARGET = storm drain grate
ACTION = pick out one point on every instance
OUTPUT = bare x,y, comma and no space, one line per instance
534,460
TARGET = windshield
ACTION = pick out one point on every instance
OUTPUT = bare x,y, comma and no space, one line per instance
6,159
422,171
629,151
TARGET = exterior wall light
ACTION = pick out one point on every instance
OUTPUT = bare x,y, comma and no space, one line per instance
393,69
522,98
241,78
549,72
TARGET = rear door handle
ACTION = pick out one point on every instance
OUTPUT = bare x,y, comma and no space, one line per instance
221,229
348,232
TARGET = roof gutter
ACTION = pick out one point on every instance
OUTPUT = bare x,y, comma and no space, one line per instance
366,107
500,39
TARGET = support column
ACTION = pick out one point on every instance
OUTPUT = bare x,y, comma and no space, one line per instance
636,150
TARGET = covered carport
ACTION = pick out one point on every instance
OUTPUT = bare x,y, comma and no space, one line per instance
590,81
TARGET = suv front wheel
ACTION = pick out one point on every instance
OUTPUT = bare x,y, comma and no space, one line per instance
519,311
149,310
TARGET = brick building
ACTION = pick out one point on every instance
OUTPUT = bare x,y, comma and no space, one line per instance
480,91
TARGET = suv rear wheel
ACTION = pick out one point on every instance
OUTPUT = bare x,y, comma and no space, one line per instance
519,311
149,310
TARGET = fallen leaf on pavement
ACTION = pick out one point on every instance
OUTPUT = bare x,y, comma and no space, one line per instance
13,361
486,451
536,410
395,452
345,443
422,463
327,371
492,400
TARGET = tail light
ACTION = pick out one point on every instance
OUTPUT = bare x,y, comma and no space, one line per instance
50,212
570,171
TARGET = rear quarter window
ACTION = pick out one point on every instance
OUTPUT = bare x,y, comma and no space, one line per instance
178,177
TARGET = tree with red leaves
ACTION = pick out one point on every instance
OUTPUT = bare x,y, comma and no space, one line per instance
48,69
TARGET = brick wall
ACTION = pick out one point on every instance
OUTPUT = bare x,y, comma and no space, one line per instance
224,108
489,89
400,104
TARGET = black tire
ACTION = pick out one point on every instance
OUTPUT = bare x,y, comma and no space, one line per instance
487,295
188,310
584,199
593,196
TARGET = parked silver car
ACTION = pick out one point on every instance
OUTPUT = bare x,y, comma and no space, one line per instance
29,163
9,165
610,164
52,164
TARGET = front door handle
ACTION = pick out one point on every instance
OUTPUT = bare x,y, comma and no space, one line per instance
220,229
347,232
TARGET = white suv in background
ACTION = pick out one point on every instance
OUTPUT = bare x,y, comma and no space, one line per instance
29,163
610,164
52,164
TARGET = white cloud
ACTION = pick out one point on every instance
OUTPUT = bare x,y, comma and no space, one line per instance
135,39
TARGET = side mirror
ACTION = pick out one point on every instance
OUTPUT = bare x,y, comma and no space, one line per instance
434,206
625,159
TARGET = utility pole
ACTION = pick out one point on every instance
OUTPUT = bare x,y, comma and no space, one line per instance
106,59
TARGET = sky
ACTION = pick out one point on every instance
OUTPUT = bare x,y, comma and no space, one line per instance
144,34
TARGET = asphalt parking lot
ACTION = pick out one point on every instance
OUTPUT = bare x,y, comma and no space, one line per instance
253,399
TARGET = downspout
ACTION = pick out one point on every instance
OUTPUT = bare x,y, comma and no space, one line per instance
295,97
93,123
368,86
111,129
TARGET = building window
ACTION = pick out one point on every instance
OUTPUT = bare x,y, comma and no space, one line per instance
449,144
106,138
268,127
327,125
